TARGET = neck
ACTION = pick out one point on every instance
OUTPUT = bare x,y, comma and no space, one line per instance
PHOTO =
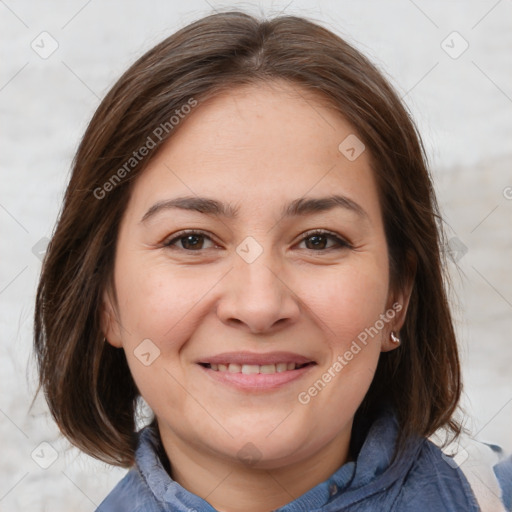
230,486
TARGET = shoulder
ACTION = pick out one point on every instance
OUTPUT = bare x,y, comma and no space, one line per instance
467,475
489,472
503,472
146,487
484,470
433,482
131,494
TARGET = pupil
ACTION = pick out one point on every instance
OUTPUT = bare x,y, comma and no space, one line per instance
187,241
316,238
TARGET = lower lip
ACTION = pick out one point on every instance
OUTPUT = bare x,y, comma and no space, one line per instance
257,381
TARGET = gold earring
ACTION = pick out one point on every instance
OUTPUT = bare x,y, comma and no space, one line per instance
394,338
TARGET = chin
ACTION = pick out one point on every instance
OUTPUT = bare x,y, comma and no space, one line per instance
266,455
261,450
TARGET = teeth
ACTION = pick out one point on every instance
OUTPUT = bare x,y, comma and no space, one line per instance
248,369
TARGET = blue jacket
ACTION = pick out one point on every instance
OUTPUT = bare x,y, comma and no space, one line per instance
424,479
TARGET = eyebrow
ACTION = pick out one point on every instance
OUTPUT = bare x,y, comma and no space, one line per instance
298,207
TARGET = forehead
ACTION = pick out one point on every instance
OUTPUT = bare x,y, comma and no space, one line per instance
284,120
264,142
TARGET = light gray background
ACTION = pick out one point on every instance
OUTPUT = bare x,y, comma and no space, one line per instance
462,105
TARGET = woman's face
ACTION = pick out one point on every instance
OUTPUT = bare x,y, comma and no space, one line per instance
214,322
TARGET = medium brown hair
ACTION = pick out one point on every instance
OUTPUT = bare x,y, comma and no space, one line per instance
87,382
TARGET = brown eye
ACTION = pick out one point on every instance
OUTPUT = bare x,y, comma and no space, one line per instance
189,241
318,241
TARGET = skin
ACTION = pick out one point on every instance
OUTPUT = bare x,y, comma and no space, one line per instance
256,148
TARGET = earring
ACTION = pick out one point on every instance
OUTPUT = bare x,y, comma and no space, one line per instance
394,338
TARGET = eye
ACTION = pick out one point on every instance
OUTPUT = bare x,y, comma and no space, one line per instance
319,240
191,240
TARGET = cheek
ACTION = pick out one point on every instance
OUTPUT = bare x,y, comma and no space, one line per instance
349,308
155,300
350,300
157,308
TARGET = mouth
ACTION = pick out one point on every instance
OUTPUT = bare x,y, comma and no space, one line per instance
248,371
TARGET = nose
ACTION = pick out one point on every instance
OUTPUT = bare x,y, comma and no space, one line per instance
257,296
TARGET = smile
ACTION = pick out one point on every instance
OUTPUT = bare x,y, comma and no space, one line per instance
248,369
256,372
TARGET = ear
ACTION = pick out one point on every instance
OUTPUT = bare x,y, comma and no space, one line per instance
110,324
398,301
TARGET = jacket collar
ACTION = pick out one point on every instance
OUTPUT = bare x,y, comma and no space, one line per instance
371,472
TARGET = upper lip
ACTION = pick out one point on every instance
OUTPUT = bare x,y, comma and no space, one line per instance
255,358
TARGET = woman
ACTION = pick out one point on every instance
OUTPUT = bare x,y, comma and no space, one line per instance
249,243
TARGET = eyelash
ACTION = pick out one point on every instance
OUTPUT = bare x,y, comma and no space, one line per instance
340,242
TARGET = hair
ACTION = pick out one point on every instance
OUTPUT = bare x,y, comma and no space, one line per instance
87,383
